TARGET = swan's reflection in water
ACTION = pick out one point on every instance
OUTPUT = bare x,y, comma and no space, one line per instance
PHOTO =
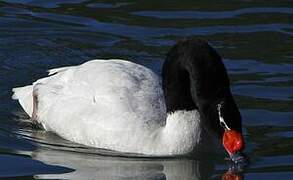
89,166
101,167
230,175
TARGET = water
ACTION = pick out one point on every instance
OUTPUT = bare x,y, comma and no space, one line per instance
255,38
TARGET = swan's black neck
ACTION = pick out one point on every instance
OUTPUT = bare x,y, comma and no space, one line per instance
194,77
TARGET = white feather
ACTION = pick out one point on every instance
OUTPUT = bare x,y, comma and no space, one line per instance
111,104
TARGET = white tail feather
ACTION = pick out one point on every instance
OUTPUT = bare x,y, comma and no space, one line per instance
24,97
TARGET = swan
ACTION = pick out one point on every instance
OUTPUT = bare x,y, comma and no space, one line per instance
122,106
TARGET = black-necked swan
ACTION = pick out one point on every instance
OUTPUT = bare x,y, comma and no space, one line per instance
119,105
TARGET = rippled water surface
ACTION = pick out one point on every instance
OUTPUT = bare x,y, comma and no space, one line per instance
255,38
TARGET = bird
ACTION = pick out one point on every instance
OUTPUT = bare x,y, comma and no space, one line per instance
122,106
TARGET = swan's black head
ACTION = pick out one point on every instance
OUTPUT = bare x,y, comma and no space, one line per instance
194,77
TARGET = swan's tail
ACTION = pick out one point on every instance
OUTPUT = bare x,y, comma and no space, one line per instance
24,95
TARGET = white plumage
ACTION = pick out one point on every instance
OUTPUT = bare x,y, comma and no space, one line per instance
111,104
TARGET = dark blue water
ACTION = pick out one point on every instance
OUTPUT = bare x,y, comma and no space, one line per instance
255,38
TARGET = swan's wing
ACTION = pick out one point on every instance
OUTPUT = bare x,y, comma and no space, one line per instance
99,93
